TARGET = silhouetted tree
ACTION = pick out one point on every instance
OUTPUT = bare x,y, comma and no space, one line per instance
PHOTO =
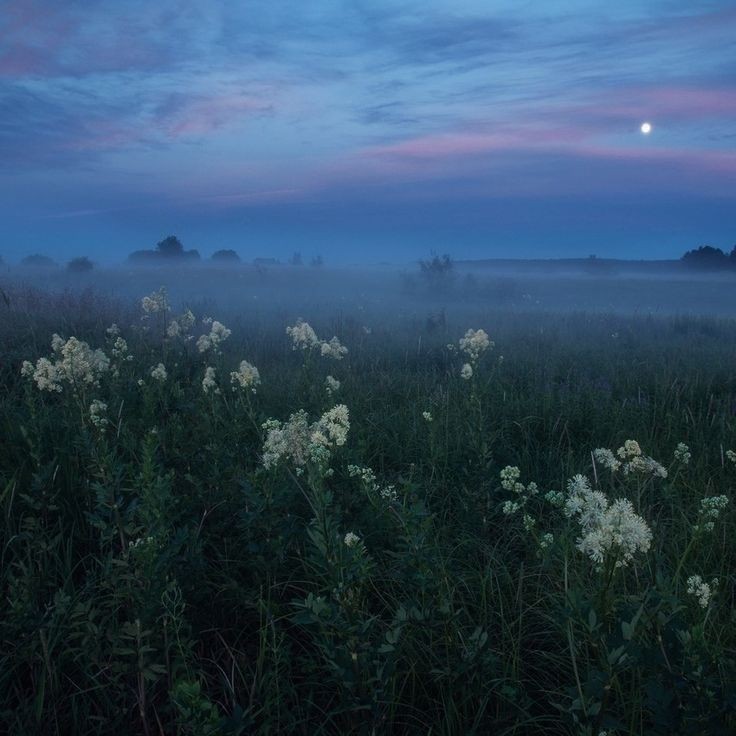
81,264
296,259
438,272
38,261
705,257
226,256
170,247
733,256
317,261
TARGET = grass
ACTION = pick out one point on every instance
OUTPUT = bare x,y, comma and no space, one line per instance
157,578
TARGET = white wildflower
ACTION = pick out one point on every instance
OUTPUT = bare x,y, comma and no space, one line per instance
682,453
701,590
630,449
427,416
332,386
173,330
710,510
155,302
333,349
466,372
113,330
303,337
546,541
474,344
351,540
158,373
98,414
509,477
607,459
208,382
217,335
246,377
731,455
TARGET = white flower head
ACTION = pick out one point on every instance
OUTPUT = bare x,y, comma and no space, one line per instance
158,373
474,344
466,372
246,377
208,382
351,539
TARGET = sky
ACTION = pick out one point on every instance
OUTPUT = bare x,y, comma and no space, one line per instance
367,131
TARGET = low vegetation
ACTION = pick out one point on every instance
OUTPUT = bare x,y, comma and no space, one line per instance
346,526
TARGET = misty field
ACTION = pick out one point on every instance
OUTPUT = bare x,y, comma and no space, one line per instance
405,520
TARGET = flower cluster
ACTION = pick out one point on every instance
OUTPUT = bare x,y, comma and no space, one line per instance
606,529
208,382
701,590
303,337
630,459
607,459
158,373
98,414
474,344
181,326
155,302
332,386
217,335
510,482
246,377
710,510
427,416
682,453
300,442
351,539
731,455
370,484
73,362
466,372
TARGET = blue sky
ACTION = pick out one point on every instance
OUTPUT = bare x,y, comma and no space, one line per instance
367,131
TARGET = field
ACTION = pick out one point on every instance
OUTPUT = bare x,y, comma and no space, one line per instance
482,515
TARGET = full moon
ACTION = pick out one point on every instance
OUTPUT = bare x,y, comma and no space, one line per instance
646,128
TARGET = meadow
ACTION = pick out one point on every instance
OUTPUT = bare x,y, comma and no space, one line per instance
389,518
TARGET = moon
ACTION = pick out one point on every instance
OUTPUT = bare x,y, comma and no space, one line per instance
646,128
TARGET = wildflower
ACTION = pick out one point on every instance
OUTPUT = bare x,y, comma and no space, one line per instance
217,335
701,590
300,442
74,363
546,541
97,414
510,507
607,459
155,302
351,540
333,349
466,372
158,373
208,382
113,330
246,377
332,385
474,344
682,453
710,510
731,455
614,528
556,498
173,330
303,337
529,523
630,449
509,477
427,416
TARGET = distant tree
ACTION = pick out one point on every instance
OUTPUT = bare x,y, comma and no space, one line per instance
226,256
79,265
438,272
170,247
38,261
317,261
145,257
733,256
706,257
296,259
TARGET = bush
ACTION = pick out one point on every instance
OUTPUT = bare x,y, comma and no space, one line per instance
81,264
226,256
707,257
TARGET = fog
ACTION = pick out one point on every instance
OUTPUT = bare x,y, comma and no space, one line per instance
379,294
